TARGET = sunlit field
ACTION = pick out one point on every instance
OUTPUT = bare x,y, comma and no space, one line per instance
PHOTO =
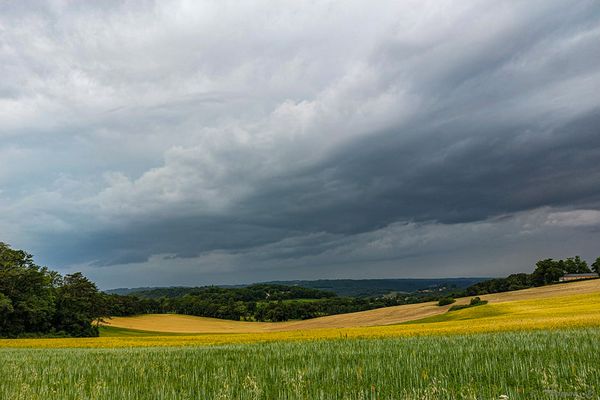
521,365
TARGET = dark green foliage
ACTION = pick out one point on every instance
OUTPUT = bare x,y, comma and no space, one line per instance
546,272
259,302
36,301
341,287
444,301
475,301
575,265
123,306
256,292
264,302
78,303
596,266
549,270
381,287
28,298
512,282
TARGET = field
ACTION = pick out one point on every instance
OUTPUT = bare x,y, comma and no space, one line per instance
523,365
533,344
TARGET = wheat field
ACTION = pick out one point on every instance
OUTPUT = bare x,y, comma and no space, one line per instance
531,365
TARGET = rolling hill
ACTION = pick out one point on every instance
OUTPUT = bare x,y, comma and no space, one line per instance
536,299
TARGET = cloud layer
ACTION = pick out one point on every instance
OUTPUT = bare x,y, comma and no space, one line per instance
197,142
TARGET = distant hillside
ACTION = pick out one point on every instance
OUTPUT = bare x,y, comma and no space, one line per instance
255,292
380,287
342,287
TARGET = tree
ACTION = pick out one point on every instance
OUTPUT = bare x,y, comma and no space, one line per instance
78,304
276,313
575,265
596,266
27,298
444,301
6,308
547,271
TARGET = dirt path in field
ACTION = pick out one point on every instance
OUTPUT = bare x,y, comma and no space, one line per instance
174,323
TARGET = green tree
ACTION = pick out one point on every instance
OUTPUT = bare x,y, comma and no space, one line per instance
444,301
6,309
596,266
575,265
78,305
27,297
547,271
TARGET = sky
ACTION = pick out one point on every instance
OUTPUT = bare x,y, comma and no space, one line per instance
216,142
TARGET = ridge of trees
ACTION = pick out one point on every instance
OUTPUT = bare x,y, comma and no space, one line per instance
255,292
546,272
342,287
38,302
252,303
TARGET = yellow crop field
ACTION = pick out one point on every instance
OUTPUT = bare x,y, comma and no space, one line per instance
533,309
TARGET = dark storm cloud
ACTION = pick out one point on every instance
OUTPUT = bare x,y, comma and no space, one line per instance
469,179
368,187
224,143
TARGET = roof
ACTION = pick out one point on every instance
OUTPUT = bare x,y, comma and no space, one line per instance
578,275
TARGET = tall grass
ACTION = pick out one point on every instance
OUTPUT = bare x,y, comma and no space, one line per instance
521,365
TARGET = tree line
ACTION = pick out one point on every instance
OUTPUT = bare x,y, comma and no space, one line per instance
546,272
260,302
35,301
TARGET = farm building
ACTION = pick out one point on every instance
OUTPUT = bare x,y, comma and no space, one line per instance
577,277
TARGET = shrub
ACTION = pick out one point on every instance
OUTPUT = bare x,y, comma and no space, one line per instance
445,301
475,301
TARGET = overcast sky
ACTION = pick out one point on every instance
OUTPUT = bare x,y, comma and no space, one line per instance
197,142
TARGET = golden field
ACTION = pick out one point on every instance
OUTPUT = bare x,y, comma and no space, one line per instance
558,306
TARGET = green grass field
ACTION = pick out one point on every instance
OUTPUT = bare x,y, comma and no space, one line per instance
554,364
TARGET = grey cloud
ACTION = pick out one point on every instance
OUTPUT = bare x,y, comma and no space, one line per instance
492,247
